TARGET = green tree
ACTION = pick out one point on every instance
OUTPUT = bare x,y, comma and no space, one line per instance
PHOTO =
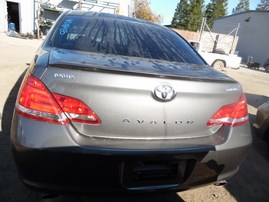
242,6
142,11
263,5
214,10
195,14
180,19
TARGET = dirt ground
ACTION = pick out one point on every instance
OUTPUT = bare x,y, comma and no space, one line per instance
251,183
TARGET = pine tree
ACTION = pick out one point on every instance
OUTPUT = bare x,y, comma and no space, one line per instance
263,5
214,10
195,15
180,19
242,6
210,13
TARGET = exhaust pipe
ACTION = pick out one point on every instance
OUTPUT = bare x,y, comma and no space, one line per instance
221,183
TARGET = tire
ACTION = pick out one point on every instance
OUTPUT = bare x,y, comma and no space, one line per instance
218,64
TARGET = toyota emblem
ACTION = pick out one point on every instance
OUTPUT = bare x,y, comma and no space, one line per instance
164,92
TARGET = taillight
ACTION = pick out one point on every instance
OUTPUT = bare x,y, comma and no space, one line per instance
76,110
231,115
36,102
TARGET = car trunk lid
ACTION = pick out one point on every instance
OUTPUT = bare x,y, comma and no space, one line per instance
121,91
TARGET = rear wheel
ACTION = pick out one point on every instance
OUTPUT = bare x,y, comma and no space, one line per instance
218,64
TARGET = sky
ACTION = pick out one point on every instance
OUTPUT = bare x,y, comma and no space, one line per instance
166,8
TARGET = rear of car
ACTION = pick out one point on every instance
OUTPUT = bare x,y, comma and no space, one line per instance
114,104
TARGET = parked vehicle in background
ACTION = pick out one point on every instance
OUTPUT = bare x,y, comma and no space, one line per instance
116,104
252,65
257,66
218,59
261,123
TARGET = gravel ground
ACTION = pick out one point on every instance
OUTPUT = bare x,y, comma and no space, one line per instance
251,183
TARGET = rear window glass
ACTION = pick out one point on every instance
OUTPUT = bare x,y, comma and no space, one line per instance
120,37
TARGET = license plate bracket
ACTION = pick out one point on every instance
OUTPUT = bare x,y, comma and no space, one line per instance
152,173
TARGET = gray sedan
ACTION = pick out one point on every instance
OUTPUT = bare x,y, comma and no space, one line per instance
116,104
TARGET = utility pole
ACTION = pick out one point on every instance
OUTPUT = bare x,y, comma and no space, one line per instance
80,4
202,28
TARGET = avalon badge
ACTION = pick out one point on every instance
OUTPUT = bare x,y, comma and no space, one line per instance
164,92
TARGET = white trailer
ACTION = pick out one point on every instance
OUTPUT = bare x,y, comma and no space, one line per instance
216,53
217,60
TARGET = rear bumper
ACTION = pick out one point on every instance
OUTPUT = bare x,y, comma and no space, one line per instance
48,158
81,170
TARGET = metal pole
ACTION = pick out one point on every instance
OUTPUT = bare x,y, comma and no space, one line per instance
80,5
38,18
202,28
235,34
34,18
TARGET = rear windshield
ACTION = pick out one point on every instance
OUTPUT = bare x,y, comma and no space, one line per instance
121,37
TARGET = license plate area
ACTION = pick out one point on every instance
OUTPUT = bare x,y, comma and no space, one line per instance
152,174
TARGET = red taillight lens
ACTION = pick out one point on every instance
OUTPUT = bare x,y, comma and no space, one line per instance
36,102
76,110
232,115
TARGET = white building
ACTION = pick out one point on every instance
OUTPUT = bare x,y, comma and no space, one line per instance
253,33
20,12
24,13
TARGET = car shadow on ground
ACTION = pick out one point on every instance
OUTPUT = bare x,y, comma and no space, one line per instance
12,189
167,197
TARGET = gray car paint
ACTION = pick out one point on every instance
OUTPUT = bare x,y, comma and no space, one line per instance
119,88
129,96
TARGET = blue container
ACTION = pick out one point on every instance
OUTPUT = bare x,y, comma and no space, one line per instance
11,26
